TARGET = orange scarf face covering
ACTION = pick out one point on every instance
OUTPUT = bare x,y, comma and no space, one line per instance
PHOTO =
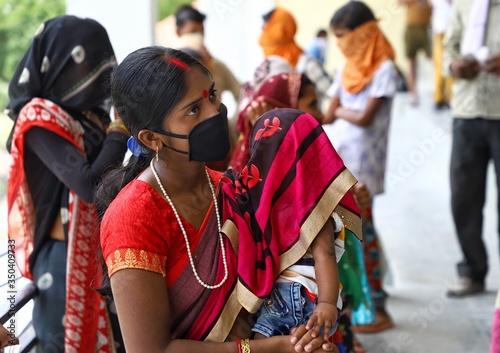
365,48
277,37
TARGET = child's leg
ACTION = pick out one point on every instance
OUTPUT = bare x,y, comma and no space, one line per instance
258,336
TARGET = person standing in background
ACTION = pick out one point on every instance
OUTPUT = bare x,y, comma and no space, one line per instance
63,141
317,49
278,38
441,11
472,57
418,17
190,29
360,110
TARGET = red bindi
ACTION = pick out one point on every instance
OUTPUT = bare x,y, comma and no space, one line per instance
205,93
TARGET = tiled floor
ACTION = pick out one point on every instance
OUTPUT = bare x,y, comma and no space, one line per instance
415,225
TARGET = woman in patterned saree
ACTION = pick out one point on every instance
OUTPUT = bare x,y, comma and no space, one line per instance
60,148
294,90
191,252
283,90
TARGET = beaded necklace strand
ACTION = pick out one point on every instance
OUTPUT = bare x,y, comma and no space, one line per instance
188,247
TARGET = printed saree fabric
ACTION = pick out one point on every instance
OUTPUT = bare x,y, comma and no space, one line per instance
279,91
271,212
279,202
84,307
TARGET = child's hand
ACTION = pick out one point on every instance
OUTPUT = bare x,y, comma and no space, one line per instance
362,196
6,338
256,108
324,315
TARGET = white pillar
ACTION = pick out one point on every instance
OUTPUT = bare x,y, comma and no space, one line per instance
129,23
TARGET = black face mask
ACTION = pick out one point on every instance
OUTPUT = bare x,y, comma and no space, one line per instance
208,140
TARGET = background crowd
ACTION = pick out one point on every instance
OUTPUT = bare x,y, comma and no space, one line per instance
354,103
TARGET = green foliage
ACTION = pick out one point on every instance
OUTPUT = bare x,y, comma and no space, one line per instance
19,20
168,7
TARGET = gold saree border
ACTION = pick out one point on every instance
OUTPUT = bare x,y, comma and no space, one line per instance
136,258
318,217
230,230
351,221
226,320
242,297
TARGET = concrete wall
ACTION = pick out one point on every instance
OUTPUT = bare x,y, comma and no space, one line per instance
232,30
233,27
129,23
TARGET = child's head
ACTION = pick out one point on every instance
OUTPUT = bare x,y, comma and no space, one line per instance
290,90
350,16
308,98
322,33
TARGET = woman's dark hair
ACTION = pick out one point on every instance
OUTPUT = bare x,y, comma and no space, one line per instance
145,88
188,13
268,15
352,15
304,82
193,52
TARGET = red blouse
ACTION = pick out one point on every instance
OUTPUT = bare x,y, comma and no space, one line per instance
139,230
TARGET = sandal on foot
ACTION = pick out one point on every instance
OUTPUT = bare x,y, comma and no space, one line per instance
358,347
382,322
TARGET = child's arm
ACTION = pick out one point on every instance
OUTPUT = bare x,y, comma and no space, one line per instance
330,113
405,2
360,117
327,277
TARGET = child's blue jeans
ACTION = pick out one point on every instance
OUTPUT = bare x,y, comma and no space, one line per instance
287,306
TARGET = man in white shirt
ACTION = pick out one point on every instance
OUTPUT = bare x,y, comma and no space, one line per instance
472,31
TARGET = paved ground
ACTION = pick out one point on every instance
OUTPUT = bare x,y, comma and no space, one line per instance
414,221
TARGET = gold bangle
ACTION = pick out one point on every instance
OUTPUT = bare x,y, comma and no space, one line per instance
117,124
245,345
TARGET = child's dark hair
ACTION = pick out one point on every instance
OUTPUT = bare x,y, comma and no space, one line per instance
267,16
304,82
145,88
188,13
321,33
352,15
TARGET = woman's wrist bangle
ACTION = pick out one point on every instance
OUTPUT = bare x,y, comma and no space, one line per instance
238,344
245,345
117,124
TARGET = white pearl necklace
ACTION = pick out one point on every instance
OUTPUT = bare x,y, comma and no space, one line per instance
188,247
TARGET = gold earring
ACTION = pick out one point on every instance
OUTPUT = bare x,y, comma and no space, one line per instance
157,153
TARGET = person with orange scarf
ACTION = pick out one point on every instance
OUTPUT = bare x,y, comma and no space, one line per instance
277,38
360,107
